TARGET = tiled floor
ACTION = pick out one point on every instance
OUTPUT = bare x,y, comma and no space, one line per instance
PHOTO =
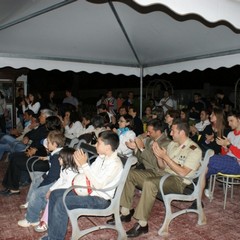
221,224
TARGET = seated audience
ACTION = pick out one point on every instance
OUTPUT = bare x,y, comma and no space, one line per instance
216,129
125,134
37,200
31,103
11,144
137,122
17,160
104,172
228,161
180,158
170,116
197,130
72,125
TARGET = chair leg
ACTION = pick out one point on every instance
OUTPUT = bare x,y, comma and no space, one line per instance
202,220
212,186
163,231
119,227
225,192
232,185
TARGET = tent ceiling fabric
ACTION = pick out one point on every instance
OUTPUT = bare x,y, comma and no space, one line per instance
86,36
212,11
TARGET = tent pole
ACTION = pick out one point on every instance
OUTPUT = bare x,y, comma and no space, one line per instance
141,91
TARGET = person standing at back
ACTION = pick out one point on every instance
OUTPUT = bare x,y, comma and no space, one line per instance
69,99
110,102
166,102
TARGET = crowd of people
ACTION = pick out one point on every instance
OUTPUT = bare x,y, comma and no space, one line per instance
165,140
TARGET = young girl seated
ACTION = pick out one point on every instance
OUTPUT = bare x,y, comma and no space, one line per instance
68,171
125,134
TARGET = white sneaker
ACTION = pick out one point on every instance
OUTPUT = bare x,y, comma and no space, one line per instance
207,193
25,223
24,206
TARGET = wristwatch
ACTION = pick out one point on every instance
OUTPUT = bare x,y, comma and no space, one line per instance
229,145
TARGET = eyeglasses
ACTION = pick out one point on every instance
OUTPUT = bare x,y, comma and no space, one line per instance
121,121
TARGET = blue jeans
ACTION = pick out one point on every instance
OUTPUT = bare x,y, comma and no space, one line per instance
224,164
36,180
57,215
10,144
37,203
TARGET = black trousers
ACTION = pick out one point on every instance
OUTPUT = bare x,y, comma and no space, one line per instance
3,123
17,164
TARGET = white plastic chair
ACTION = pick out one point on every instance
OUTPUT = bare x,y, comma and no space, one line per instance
33,174
113,208
195,195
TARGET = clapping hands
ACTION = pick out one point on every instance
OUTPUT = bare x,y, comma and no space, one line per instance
80,157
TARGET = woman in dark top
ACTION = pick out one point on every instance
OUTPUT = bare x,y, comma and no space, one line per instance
217,128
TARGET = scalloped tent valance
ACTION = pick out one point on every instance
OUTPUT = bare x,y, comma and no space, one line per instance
140,37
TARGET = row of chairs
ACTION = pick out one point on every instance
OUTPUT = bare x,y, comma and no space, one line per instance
113,208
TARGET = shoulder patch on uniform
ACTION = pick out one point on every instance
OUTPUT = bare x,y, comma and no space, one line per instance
193,147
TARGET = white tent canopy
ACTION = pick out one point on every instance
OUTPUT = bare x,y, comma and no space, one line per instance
120,37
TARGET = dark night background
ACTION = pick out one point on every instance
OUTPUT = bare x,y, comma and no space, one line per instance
46,80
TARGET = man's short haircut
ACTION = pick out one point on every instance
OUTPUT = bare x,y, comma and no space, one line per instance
234,113
110,138
29,112
181,125
48,112
156,124
57,137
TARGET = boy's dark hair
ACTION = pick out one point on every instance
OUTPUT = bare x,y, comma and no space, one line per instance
54,123
67,157
110,138
156,124
181,125
57,137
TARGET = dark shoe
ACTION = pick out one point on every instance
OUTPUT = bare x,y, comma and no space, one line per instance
8,192
123,218
4,191
194,205
137,230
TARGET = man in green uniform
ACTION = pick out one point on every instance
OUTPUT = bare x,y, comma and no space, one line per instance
181,158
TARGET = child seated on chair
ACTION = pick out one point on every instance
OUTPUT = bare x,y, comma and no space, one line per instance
68,171
37,200
104,172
